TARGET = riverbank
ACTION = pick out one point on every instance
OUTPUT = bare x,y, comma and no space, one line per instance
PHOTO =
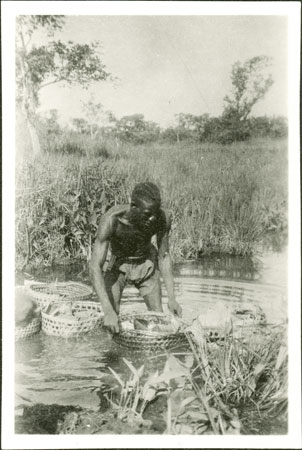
228,199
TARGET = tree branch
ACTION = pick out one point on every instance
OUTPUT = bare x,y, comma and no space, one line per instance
51,82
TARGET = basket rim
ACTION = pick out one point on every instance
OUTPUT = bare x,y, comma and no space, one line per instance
147,333
95,314
37,290
84,302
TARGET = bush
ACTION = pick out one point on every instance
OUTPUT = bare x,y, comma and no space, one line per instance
264,126
59,205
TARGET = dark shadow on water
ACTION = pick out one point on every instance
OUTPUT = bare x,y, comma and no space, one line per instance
221,266
208,266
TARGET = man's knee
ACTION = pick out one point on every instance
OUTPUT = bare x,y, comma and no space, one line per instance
153,297
114,285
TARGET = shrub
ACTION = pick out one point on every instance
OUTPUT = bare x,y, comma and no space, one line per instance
57,210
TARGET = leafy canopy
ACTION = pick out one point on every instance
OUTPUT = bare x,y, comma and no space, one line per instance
55,61
251,81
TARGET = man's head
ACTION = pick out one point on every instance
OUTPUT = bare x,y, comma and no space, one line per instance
145,204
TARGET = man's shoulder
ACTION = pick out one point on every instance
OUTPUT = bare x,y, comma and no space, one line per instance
111,216
116,211
165,218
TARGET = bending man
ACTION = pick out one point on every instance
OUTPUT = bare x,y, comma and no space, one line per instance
128,230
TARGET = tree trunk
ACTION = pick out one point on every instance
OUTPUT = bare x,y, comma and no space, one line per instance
36,147
28,103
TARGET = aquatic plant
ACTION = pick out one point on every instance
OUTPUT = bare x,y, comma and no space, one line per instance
215,384
187,412
243,371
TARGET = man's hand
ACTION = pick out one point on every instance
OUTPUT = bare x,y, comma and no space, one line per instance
111,322
175,308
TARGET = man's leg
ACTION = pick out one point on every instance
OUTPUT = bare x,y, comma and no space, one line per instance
115,283
150,289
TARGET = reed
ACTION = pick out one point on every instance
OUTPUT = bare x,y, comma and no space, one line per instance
228,199
243,373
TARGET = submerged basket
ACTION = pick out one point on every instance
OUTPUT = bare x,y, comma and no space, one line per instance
77,325
45,293
146,339
30,330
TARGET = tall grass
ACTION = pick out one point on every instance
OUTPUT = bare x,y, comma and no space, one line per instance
230,199
58,202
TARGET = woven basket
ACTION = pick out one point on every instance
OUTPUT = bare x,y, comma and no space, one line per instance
145,339
65,327
44,294
30,330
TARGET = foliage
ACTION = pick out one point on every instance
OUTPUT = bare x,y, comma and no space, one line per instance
191,127
238,205
223,130
31,23
65,141
207,390
250,84
96,116
53,62
244,370
135,129
262,126
57,211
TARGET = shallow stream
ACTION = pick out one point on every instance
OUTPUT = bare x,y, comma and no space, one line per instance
53,370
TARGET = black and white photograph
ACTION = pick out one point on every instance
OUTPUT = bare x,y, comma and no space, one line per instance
151,225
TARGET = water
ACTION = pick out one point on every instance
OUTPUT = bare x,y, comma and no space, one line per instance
73,371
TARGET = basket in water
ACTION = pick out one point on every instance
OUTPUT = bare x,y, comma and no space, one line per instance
81,317
30,330
156,331
45,293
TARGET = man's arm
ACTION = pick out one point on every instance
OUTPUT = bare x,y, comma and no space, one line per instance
98,259
165,267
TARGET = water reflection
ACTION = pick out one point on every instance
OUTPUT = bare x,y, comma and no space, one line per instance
73,371
269,267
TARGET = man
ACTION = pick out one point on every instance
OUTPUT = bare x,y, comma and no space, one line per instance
128,230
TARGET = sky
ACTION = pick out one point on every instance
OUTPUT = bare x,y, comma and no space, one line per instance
167,65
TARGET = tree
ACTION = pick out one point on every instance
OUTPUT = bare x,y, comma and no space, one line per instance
81,125
136,129
250,81
190,126
53,62
96,116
